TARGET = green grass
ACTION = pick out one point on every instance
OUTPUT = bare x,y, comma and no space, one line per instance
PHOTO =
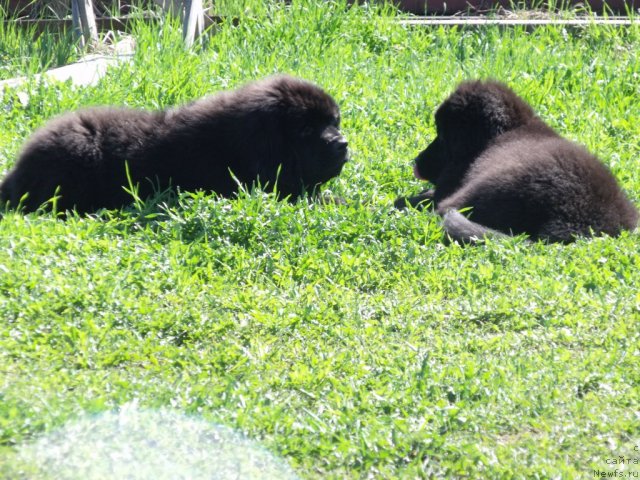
24,53
347,339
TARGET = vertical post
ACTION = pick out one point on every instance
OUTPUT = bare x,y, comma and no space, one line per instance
84,21
193,24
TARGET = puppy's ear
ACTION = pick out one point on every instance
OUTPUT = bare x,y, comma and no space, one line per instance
485,109
277,168
255,150
280,175
474,114
495,113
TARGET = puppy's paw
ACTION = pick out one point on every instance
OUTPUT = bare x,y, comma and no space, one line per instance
419,202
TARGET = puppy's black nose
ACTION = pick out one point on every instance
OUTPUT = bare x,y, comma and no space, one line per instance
340,144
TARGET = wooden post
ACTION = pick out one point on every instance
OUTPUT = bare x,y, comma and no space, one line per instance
84,21
193,24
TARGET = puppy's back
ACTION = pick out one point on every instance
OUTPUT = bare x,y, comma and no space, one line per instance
545,186
77,153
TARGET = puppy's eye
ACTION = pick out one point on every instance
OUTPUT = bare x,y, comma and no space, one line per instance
305,131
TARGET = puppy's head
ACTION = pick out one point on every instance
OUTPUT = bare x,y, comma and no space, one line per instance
293,134
471,118
310,120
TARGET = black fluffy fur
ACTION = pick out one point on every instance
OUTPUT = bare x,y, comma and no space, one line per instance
518,176
282,132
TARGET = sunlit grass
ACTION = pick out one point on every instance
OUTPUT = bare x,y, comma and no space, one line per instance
346,338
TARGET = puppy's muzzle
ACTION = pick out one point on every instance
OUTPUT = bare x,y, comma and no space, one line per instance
340,145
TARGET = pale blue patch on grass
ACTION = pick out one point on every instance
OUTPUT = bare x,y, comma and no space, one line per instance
347,338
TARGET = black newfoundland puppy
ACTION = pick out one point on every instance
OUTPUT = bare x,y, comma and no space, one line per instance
492,154
282,132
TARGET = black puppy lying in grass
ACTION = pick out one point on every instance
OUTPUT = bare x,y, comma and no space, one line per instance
281,132
493,155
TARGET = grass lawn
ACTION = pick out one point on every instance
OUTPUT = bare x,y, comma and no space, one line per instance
346,338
